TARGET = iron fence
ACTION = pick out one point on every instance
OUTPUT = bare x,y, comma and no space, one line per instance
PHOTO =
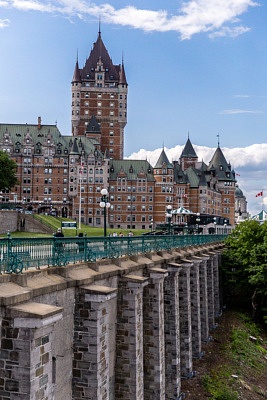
20,254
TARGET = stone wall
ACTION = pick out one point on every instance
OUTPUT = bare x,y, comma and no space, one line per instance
12,221
8,221
124,329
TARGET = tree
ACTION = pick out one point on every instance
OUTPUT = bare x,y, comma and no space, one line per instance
8,170
245,266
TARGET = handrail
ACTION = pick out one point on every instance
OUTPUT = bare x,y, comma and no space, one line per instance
17,254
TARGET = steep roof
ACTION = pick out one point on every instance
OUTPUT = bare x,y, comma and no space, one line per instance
194,177
163,160
44,135
131,168
188,151
76,75
178,174
122,76
93,126
219,164
99,52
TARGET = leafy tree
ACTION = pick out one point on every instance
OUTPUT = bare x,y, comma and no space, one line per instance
8,169
245,266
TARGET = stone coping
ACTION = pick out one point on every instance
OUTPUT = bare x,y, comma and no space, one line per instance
19,288
34,310
98,289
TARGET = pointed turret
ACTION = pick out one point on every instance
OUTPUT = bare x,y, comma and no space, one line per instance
219,165
163,161
122,76
188,157
76,76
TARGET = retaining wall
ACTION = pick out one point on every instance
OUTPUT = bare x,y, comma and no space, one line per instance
124,329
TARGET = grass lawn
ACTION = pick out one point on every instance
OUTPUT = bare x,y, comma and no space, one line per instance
54,223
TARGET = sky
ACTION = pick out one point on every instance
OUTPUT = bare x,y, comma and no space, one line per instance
194,68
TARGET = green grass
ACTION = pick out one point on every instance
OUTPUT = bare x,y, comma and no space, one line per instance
55,222
243,357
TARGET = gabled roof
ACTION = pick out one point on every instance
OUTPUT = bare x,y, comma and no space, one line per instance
188,151
131,168
163,160
41,135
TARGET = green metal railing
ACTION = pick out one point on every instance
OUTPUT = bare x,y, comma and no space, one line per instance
18,254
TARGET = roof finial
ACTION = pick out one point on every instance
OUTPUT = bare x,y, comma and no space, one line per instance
188,134
218,136
77,55
99,26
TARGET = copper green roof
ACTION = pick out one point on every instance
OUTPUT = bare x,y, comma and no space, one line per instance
188,151
163,160
222,169
43,135
131,168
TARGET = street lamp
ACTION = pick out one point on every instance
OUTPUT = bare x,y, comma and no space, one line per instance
104,203
197,221
169,217
225,225
215,222
151,225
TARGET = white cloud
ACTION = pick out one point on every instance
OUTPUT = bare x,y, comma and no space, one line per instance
242,96
238,111
4,23
249,163
215,17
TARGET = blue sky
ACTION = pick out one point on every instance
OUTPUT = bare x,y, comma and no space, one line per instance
196,67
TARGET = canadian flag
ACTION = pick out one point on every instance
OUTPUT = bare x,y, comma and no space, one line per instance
259,194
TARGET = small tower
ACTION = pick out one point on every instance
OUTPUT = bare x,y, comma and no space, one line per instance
188,157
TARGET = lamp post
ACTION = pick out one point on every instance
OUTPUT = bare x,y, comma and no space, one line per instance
225,225
151,225
197,221
104,203
169,217
215,222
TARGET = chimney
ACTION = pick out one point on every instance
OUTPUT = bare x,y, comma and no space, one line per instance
39,122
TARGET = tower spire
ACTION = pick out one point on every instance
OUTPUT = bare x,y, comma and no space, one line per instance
99,26
218,136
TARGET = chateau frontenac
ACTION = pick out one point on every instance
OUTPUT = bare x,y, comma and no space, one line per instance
63,175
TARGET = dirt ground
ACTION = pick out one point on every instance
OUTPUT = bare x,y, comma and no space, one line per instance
247,383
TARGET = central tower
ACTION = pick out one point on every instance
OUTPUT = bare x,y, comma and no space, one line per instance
99,100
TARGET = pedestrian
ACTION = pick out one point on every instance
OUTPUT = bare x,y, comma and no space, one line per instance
59,233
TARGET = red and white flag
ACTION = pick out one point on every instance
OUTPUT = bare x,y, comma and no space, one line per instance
259,194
